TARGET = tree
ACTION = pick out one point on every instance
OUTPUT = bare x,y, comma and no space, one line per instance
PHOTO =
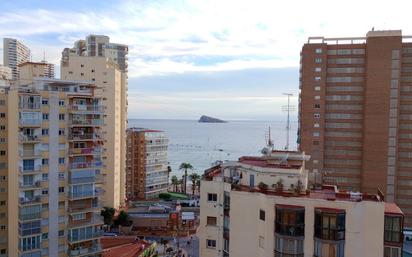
175,183
185,166
122,219
181,185
108,214
194,177
198,186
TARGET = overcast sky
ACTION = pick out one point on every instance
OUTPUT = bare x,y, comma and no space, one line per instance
230,59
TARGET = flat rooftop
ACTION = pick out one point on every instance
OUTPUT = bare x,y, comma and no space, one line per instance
122,246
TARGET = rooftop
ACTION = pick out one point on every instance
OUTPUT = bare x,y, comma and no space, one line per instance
135,129
122,246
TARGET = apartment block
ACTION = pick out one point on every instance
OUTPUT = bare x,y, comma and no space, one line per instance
14,53
50,168
146,163
5,75
355,113
105,64
260,206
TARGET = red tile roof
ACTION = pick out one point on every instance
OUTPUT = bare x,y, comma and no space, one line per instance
392,208
122,246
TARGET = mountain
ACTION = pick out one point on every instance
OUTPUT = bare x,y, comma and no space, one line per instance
207,119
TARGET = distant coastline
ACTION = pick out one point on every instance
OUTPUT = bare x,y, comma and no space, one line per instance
208,119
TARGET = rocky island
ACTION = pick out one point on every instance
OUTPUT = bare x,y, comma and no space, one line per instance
207,119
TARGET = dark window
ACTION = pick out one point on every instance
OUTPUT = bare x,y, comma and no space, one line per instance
315,142
2,115
290,221
211,221
2,127
212,197
211,243
393,229
45,116
45,101
317,106
61,232
2,152
262,215
329,225
61,160
45,161
61,116
81,65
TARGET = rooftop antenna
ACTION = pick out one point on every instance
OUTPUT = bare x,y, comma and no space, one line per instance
44,55
288,108
269,141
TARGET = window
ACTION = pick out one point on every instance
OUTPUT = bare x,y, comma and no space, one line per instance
2,115
2,152
45,236
62,204
318,69
318,60
2,127
29,243
393,229
45,192
61,175
45,176
45,161
317,97
92,71
316,133
329,248
45,206
81,65
61,233
61,116
61,160
2,102
212,197
45,116
61,132
2,227
317,106
318,50
211,221
262,215
45,132
61,102
261,242
80,216
210,243
315,142
2,203
318,78
392,251
82,74
61,189
30,228
3,251
317,88
316,115
315,161
329,225
290,221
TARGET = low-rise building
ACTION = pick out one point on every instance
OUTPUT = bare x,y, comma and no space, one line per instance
260,206
146,163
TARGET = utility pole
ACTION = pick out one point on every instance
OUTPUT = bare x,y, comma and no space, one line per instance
288,108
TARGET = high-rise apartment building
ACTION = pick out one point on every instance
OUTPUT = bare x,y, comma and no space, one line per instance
355,113
50,168
105,64
49,70
14,53
5,75
260,206
146,163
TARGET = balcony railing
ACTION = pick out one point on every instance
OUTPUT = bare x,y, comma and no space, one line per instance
30,216
98,178
88,136
85,194
36,184
95,219
30,200
29,153
30,169
85,165
91,122
290,229
86,108
84,208
88,236
85,151
29,138
85,251
30,122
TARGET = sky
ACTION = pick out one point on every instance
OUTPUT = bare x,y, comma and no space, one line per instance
223,58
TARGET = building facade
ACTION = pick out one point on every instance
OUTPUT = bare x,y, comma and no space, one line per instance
5,75
108,70
50,168
355,113
239,216
14,53
147,172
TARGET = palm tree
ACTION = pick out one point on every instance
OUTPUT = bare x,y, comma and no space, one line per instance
181,184
175,183
198,186
185,166
194,177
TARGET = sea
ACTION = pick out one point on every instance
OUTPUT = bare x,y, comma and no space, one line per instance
202,144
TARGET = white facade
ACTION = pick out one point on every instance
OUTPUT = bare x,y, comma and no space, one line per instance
14,53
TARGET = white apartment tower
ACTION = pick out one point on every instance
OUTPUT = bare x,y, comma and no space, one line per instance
105,64
14,53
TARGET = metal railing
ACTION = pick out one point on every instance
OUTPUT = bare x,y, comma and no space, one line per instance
88,236
85,165
30,122
91,122
26,200
88,136
86,108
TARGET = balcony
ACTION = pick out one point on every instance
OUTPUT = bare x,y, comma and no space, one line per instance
29,139
32,185
86,108
30,122
85,165
85,251
86,194
81,208
29,169
90,122
85,137
30,216
29,154
95,219
98,178
85,237
85,151
29,200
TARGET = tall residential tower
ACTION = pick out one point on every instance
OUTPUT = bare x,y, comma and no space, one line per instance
105,64
356,113
14,54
